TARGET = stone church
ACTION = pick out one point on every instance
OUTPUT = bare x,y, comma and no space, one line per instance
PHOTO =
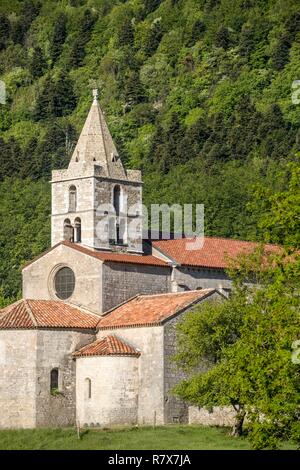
91,340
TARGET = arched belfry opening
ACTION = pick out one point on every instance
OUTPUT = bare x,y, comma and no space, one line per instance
119,228
72,198
77,230
68,231
117,200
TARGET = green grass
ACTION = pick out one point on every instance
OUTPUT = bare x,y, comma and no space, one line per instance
128,438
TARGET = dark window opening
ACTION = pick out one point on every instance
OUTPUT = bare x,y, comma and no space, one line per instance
78,230
68,231
54,380
117,199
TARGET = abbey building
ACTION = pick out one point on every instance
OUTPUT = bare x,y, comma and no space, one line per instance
91,340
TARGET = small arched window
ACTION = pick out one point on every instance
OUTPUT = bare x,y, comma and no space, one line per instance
72,198
54,380
78,230
117,199
88,388
68,231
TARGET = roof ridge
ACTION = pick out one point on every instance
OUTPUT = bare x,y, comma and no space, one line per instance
176,293
110,345
216,238
30,312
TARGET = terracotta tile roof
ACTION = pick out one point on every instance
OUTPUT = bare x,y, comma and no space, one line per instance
118,257
149,310
32,314
108,346
213,254
108,256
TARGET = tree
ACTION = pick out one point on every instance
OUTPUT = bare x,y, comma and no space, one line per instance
151,5
197,32
125,33
279,220
281,52
4,30
222,38
84,31
28,12
132,88
247,42
56,98
59,37
244,347
37,63
24,212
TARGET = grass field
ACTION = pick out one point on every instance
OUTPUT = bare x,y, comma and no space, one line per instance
129,438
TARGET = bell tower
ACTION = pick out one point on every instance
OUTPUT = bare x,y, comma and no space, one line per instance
97,202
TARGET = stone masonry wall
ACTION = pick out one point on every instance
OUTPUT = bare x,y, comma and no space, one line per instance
217,417
123,281
176,410
131,195
18,378
195,278
38,277
114,390
149,340
54,350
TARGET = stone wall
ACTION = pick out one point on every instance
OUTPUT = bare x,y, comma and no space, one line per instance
122,281
114,390
149,340
176,410
131,195
38,277
217,417
54,350
18,350
84,209
195,278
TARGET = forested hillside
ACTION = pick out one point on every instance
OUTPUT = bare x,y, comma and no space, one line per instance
197,94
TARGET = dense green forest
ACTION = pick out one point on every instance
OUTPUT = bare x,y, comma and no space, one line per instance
197,94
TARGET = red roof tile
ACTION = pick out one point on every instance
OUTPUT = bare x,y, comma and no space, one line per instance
214,253
118,257
146,310
108,256
29,314
108,346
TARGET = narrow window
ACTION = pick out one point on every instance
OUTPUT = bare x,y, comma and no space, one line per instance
88,388
117,199
78,230
54,380
68,231
72,198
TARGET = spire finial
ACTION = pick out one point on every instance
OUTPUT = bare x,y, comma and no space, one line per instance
95,94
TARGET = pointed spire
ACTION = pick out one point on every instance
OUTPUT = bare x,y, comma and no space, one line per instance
95,144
